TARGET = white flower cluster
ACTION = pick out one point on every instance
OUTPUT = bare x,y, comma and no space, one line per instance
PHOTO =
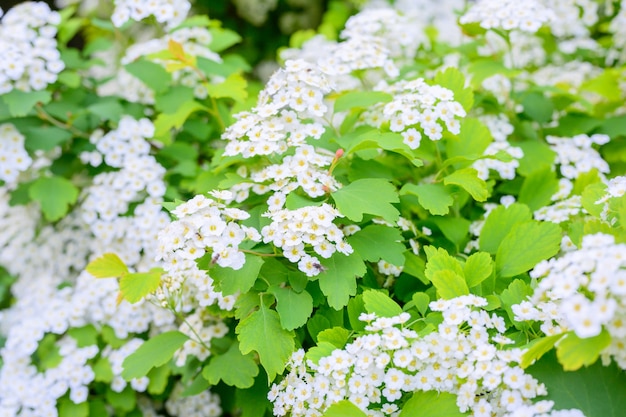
168,12
617,51
615,189
528,16
13,157
570,75
200,325
30,58
575,155
204,404
203,225
560,211
116,359
379,368
414,104
572,18
584,290
295,231
292,95
193,40
500,129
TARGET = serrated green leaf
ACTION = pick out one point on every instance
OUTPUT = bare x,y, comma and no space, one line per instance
108,265
449,284
234,86
467,178
361,99
574,352
526,245
440,260
537,348
454,80
538,188
322,350
21,103
293,308
232,368
477,268
377,242
197,385
231,281
431,404
597,390
356,199
343,408
67,408
380,303
471,142
137,285
374,140
151,74
433,197
55,195
338,281
156,351
337,336
500,221
262,332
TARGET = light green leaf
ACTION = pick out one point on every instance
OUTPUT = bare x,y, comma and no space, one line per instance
369,195
151,74
526,245
293,308
414,266
156,351
574,352
538,107
234,86
454,80
356,306
232,367
262,332
343,408
103,371
67,408
380,303
338,282
159,378
241,280
21,103
108,265
421,301
471,142
516,292
222,39
500,221
455,229
84,335
55,195
322,350
591,194
539,347
477,268
338,336
537,155
137,285
467,178
374,140
377,242
433,197
449,284
166,121
538,188
431,404
361,99
122,402
440,260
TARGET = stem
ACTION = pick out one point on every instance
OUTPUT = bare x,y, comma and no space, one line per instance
273,255
66,126
198,338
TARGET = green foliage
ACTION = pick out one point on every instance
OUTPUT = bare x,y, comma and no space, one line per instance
477,268
467,179
355,199
433,197
151,74
574,352
381,304
231,281
136,286
67,408
293,308
360,99
232,367
21,103
153,353
108,265
378,242
431,404
500,221
338,281
343,408
55,195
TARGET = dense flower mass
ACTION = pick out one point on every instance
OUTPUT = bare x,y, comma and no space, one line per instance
508,15
168,12
13,156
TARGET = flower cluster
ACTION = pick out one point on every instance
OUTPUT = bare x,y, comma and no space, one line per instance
295,231
30,58
414,104
500,129
116,358
13,157
583,290
168,12
205,404
508,15
292,95
201,328
575,155
378,369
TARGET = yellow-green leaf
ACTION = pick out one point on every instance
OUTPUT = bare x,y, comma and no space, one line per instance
108,265
136,286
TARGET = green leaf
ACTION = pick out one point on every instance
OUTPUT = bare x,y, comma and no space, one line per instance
322,350
591,194
414,266
234,86
500,221
377,242
538,107
343,408
538,188
253,401
107,109
222,39
122,401
84,336
151,74
597,390
137,285
338,282
381,304
482,69
539,347
454,80
477,268
67,408
262,332
431,404
455,229
440,260
337,336
55,195
293,308
433,197
45,138
471,142
166,121
233,368
449,284
467,178
361,99
108,265
537,155
355,199
231,281
574,352
526,245
356,306
421,301
374,140
103,371
516,292
156,351
21,103
159,378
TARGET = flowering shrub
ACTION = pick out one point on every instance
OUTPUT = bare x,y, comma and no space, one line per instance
418,213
